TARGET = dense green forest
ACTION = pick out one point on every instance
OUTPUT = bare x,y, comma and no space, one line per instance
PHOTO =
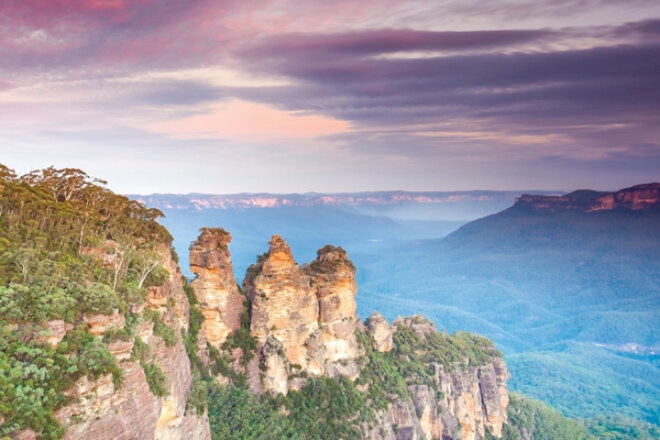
69,248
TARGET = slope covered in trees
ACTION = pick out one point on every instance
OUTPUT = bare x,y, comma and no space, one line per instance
70,249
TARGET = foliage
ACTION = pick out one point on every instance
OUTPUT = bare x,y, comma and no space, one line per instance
196,320
161,329
328,408
243,338
69,247
458,350
30,385
381,374
141,351
532,419
197,397
621,428
235,413
603,381
155,379
323,408
33,376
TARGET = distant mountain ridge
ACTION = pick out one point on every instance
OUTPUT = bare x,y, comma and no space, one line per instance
567,286
636,198
268,200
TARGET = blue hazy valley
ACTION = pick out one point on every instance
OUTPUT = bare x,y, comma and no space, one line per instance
571,297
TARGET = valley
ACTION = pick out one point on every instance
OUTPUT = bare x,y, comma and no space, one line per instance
564,294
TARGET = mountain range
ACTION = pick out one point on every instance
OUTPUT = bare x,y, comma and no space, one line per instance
567,285
103,337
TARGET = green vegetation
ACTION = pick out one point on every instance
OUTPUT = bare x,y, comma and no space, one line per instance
561,294
33,376
529,418
69,249
532,419
324,408
242,338
603,380
155,379
621,428
334,407
160,328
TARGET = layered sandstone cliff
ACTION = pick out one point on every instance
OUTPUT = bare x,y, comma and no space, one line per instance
461,404
215,285
304,319
102,409
636,198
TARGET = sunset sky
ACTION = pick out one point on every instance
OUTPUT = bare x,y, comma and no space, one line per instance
293,96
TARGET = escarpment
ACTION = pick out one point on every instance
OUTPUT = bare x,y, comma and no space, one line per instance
643,197
417,383
132,408
93,315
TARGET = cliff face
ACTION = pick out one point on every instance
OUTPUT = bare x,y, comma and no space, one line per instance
102,410
303,319
215,285
636,198
464,404
332,276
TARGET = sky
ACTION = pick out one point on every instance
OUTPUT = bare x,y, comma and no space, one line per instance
212,96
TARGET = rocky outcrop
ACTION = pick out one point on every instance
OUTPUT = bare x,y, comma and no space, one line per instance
636,198
304,323
304,319
468,401
53,332
332,277
381,332
103,410
284,305
100,324
215,286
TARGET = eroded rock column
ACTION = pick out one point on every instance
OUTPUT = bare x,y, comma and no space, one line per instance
215,286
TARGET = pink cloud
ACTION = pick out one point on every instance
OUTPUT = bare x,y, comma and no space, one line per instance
246,121
5,85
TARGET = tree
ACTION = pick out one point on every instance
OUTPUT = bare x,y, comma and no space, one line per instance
146,263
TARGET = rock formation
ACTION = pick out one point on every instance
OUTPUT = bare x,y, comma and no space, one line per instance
303,319
305,324
332,276
215,285
468,401
381,332
103,411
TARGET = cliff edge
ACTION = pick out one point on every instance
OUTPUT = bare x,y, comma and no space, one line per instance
636,198
415,382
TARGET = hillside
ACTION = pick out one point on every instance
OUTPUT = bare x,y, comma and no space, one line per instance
568,287
91,312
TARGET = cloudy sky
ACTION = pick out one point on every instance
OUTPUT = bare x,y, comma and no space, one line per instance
300,95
